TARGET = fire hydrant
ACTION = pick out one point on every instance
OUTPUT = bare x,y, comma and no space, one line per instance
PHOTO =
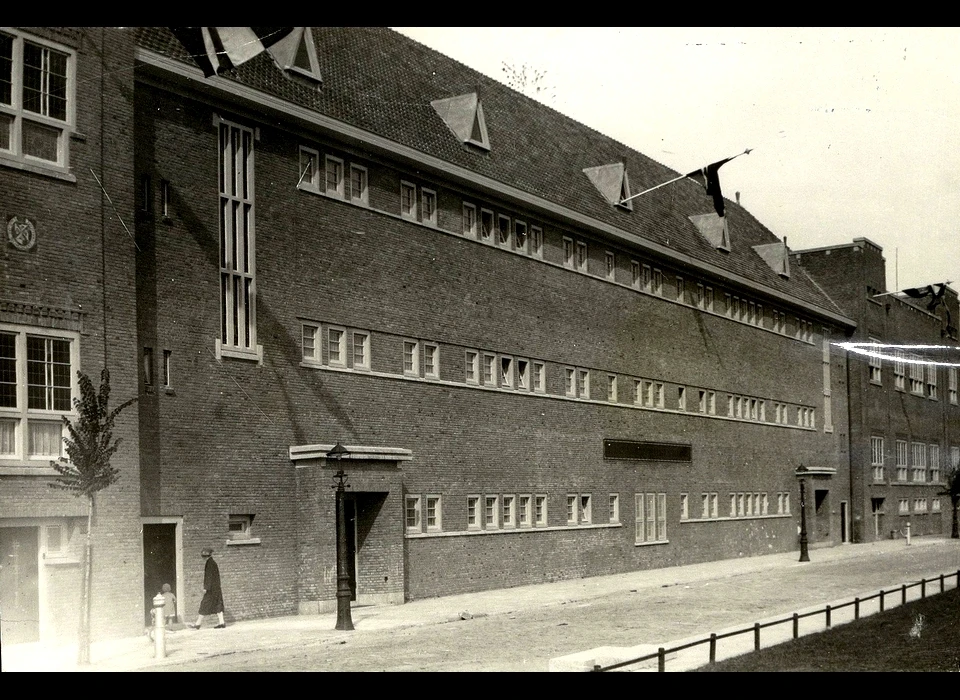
159,627
908,532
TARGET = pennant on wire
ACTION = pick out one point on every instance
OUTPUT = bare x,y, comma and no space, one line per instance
217,49
936,295
707,176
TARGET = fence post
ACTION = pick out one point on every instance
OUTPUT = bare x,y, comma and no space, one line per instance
941,583
827,610
661,660
756,636
923,588
796,625
903,594
856,608
713,647
881,600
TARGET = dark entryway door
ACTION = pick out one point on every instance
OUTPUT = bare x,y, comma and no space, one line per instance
822,514
19,585
159,564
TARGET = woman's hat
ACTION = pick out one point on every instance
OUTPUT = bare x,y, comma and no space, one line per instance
206,552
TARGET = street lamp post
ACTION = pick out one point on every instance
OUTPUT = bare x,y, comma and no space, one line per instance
344,621
801,473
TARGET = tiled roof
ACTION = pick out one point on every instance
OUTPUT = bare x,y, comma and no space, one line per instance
383,82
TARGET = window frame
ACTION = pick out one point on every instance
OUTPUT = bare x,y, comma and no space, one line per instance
414,352
414,525
469,229
435,500
364,196
338,190
341,357
18,113
408,196
20,413
431,360
536,241
429,214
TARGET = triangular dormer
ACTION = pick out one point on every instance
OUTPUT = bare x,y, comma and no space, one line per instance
714,229
297,53
612,183
776,255
463,115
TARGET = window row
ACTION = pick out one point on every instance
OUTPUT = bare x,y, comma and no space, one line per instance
37,386
922,377
336,177
741,505
919,505
504,371
501,229
921,456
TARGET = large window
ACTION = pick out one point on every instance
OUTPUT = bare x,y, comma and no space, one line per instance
651,517
37,370
876,457
238,300
36,100
901,460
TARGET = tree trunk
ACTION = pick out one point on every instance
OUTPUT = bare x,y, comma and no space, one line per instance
83,645
955,529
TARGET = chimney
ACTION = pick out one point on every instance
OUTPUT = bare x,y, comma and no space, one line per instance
737,195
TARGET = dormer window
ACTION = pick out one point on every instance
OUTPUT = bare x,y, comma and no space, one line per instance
463,115
297,54
612,183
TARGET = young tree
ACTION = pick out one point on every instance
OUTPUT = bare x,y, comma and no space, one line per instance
87,471
953,490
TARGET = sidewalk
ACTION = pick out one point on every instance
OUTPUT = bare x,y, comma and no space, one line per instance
184,646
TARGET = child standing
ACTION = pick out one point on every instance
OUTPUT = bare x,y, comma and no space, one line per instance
170,605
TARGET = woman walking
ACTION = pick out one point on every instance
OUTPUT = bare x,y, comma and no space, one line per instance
212,594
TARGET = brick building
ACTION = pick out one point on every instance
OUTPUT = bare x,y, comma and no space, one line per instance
67,303
534,381
904,416
355,239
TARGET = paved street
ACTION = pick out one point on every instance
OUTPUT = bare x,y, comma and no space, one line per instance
522,629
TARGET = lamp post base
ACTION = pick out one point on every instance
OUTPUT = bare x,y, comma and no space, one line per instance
344,619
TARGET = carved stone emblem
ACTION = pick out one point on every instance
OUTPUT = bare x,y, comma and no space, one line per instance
21,234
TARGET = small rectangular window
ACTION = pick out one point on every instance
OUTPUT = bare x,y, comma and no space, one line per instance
309,342
520,236
523,375
611,265
509,515
681,295
336,352
434,514
240,526
361,350
358,185
612,388
472,367
469,220
635,274
506,372
524,511
489,369
684,507
581,256
473,512
568,255
148,367
539,377
681,399
428,200
657,282
486,225
309,169
334,179
431,361
614,507
536,241
571,509
586,510
413,514
167,370
503,230
165,199
411,358
570,381
583,383
491,513
540,509
146,185
408,200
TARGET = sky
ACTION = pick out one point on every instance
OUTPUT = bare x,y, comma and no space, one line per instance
855,131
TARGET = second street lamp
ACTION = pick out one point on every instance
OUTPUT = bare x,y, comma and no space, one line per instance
802,473
344,620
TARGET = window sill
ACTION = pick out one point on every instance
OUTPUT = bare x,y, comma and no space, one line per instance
243,542
60,562
650,544
237,354
24,469
51,171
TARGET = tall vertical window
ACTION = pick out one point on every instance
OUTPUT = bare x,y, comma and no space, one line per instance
503,230
539,377
540,509
952,384
934,463
708,299
635,274
165,199
148,368
919,462
36,100
36,390
931,381
489,369
309,168
583,383
650,517
509,511
916,377
167,370
486,224
614,508
473,512
611,268
412,510
361,350
657,281
901,460
876,366
506,372
568,259
336,347
898,370
523,375
309,342
876,457
431,360
472,367
612,388
681,296
491,514
434,520
238,307
523,511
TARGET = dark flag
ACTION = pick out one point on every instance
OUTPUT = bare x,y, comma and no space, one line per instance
936,295
709,179
216,49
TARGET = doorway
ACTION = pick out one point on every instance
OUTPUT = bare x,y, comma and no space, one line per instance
19,585
159,564
876,508
822,514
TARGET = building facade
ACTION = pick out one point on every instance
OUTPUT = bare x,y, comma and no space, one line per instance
904,416
354,239
534,381
67,304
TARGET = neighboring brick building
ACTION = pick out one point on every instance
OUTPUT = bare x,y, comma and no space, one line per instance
904,416
383,248
67,303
